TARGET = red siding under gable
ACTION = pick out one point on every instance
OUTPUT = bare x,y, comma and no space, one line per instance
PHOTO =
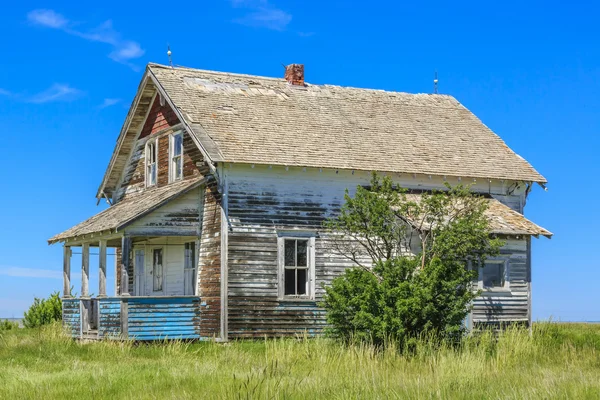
159,118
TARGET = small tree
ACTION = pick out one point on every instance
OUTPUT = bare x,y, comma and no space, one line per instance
43,311
416,259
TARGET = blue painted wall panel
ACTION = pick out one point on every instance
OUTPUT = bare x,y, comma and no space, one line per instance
72,316
109,323
164,318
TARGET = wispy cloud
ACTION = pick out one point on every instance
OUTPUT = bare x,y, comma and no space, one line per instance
30,272
123,51
109,102
56,92
4,92
262,14
306,34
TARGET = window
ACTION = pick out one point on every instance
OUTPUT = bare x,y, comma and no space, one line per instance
493,275
157,270
296,267
176,155
189,269
151,163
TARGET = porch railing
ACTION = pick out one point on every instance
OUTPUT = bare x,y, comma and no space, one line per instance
137,318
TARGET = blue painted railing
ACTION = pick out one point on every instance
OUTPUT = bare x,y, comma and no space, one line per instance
155,318
138,318
71,315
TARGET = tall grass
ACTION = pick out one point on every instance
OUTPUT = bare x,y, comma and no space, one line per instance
555,361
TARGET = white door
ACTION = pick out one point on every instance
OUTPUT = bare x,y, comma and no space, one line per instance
139,284
155,272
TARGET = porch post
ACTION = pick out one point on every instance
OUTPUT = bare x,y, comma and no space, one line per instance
102,268
66,271
125,262
85,269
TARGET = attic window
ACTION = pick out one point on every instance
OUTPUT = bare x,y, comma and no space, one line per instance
151,163
176,157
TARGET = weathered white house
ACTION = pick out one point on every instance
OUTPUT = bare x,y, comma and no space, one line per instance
219,184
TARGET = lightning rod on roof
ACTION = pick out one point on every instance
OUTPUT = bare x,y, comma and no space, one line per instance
169,55
435,83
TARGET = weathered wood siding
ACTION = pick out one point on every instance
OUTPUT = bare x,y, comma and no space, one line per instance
513,303
163,318
209,263
179,216
109,321
71,314
160,123
263,201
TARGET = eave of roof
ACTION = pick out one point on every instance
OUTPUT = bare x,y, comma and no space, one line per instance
131,209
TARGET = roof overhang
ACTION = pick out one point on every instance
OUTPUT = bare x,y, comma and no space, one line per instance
116,218
503,220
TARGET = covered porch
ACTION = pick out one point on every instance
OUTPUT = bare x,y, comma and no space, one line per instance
155,268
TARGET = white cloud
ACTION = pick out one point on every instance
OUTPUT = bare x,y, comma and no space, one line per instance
109,102
262,15
56,92
124,51
4,92
31,272
48,18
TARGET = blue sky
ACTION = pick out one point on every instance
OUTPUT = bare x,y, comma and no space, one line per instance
69,71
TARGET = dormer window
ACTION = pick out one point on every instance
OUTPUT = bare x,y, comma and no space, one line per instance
176,157
151,163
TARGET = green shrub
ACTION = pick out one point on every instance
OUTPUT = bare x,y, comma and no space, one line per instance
43,311
396,296
7,325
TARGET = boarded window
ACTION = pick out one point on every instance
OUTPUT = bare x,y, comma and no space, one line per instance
157,270
151,163
189,269
176,151
296,267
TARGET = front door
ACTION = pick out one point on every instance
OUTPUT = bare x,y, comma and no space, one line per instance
155,272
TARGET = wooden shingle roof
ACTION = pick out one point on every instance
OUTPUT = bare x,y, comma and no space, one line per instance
251,119
129,210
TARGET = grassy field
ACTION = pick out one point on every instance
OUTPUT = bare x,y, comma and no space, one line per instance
557,361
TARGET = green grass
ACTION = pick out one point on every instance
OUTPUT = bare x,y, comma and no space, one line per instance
557,361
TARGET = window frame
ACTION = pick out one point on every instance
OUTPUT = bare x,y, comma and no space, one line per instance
190,267
172,169
154,143
505,287
163,282
310,238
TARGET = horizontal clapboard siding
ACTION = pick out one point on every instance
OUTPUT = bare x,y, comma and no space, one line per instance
164,318
263,201
72,316
109,322
512,304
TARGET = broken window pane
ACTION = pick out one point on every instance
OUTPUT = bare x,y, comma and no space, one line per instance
302,253
290,282
290,253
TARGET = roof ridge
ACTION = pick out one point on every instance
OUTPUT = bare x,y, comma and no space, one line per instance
281,80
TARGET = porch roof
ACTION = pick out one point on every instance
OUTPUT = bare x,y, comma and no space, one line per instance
503,219
129,210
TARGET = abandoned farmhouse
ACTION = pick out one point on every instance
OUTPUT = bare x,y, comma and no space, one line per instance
219,185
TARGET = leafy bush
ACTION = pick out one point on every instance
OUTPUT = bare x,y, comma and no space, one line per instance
43,311
416,260
6,325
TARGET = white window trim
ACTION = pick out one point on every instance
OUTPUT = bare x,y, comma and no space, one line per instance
281,269
164,269
146,153
171,155
506,287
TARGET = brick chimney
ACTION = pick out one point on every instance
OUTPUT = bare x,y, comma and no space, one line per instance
294,74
